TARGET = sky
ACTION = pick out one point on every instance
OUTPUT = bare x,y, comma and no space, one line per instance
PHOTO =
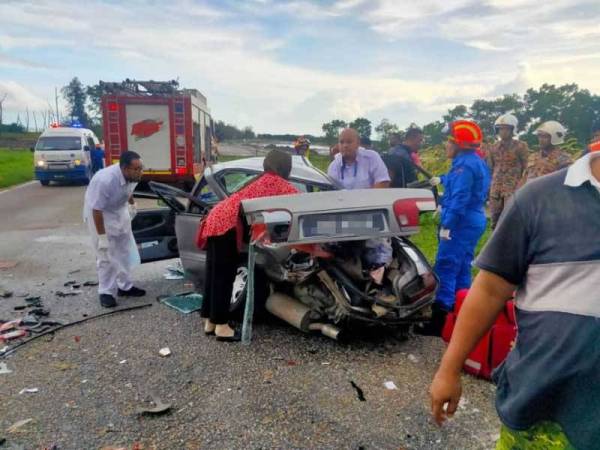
290,66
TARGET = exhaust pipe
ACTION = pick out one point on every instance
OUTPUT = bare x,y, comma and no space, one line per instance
326,329
289,310
298,315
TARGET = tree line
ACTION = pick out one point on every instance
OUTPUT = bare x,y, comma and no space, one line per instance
577,109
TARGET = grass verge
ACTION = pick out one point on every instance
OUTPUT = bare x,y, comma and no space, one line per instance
16,166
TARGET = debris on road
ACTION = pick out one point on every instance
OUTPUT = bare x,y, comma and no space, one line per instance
164,351
74,271
359,392
159,407
13,335
20,424
7,264
390,385
4,369
67,294
70,283
29,391
413,359
6,294
90,283
175,272
185,303
123,361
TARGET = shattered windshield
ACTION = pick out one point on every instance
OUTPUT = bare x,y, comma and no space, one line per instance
59,143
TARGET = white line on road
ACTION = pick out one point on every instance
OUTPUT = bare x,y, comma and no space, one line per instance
14,188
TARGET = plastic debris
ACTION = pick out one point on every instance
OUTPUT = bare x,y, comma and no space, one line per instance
123,361
74,271
70,283
4,369
15,426
359,392
164,351
90,283
29,391
6,294
390,385
378,252
412,358
13,335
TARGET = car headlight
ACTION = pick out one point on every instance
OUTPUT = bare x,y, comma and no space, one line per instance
77,162
41,163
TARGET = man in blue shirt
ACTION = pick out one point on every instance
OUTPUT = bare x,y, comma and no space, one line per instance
97,155
463,218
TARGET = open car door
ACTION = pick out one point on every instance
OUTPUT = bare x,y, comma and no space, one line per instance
154,229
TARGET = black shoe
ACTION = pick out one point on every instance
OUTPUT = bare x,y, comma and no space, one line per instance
237,337
435,326
133,292
107,301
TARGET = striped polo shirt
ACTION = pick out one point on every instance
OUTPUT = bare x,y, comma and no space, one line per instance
547,243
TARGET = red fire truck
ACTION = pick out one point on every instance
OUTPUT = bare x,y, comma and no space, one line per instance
170,128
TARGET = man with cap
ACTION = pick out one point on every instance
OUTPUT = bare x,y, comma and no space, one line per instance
355,167
507,159
550,157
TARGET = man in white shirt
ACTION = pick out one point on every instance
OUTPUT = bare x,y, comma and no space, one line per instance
109,209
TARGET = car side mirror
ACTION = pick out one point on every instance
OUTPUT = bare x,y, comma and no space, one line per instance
86,148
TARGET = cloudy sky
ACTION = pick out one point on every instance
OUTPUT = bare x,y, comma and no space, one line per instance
289,66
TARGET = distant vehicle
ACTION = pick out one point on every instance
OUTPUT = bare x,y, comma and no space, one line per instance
63,153
315,263
170,128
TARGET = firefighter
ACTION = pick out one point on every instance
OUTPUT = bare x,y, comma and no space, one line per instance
550,158
507,159
463,218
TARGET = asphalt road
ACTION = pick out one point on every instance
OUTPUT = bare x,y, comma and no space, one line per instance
285,390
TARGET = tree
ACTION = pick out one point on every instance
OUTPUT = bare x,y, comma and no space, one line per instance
485,112
362,125
458,112
433,133
2,99
384,130
94,94
332,130
76,96
248,133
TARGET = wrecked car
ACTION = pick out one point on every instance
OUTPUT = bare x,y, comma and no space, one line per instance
326,259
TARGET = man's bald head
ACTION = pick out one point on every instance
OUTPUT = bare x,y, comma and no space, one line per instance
349,142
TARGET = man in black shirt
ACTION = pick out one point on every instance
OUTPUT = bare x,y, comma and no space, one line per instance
399,159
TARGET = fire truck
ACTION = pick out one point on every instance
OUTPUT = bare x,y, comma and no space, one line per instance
170,128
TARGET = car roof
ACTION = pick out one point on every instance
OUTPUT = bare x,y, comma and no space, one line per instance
67,131
301,168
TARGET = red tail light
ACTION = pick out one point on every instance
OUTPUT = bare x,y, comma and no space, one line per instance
407,210
181,171
112,106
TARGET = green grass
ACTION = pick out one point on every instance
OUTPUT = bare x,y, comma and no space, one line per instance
16,166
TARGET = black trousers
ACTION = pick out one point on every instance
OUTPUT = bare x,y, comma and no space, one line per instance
222,259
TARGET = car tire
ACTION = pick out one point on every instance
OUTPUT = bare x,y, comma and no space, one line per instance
44,182
240,285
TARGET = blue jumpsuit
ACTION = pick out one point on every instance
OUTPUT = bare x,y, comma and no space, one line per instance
97,159
465,191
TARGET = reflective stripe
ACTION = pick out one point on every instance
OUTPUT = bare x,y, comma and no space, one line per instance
570,287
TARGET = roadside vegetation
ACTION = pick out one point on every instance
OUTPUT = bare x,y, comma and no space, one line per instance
16,166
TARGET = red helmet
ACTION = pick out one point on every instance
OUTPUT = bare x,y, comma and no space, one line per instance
595,146
465,134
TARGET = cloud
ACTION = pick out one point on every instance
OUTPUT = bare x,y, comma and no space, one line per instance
232,52
19,97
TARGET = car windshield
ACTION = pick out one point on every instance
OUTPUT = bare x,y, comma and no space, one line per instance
59,143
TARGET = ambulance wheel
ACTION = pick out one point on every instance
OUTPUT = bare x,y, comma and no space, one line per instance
44,182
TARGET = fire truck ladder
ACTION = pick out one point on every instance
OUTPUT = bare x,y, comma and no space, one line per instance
140,88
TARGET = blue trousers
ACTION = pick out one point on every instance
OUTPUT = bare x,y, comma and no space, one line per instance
454,259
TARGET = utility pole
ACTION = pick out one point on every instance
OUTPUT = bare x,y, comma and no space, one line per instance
56,104
1,109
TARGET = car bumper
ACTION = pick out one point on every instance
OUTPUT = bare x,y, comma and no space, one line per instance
77,173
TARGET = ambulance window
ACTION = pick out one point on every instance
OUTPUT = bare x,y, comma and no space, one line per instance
90,143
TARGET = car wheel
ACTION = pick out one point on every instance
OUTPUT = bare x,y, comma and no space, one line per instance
238,293
44,182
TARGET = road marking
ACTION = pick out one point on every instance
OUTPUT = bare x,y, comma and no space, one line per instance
14,188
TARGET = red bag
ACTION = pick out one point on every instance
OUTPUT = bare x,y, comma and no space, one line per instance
493,348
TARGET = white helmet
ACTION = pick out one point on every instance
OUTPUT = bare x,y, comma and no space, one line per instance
507,119
556,131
